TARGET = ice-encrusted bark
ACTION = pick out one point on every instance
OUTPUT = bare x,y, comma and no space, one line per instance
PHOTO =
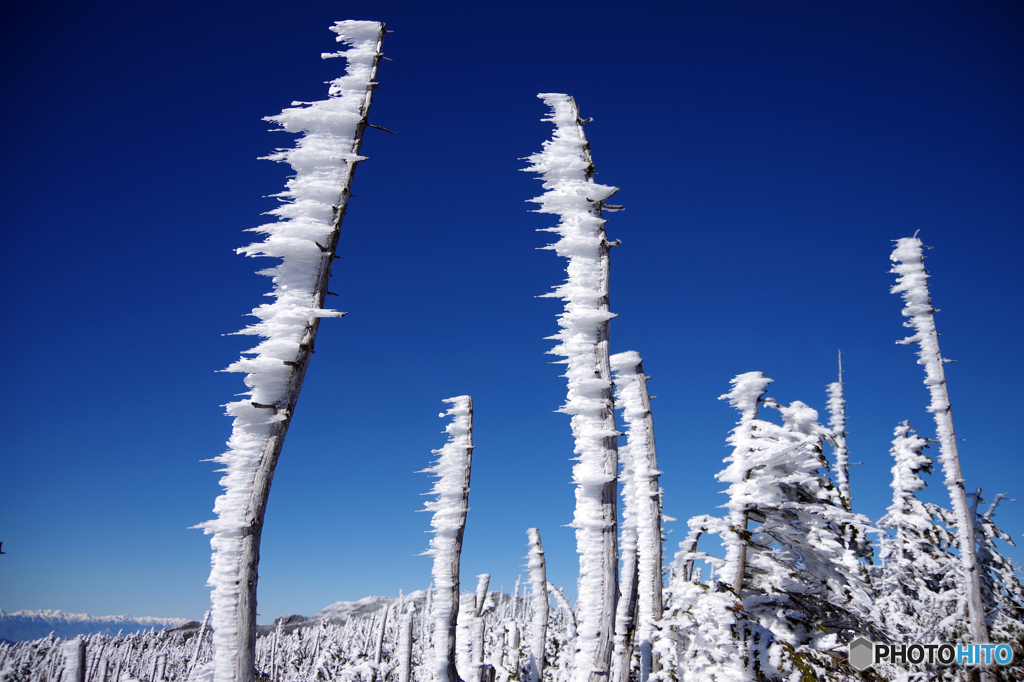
539,600
452,467
566,168
912,283
304,237
837,422
640,451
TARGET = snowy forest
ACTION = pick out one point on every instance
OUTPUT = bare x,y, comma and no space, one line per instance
772,586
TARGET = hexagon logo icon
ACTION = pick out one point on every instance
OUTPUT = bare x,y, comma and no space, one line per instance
861,654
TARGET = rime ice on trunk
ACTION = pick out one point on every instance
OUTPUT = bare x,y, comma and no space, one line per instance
452,467
837,422
912,283
571,194
539,589
304,237
640,452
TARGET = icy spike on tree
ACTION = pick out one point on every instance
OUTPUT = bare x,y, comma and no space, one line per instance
452,468
316,198
567,171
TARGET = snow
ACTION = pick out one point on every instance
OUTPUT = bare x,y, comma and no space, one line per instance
566,171
323,160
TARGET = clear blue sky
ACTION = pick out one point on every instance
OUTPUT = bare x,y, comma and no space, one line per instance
768,153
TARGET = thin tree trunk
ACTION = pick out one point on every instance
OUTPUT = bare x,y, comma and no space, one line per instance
539,588
405,645
913,284
454,466
579,201
199,644
837,422
641,452
625,618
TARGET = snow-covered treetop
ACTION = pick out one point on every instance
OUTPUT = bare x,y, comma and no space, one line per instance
450,468
321,159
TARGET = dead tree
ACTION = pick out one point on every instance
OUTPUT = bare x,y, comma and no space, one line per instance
289,326
453,468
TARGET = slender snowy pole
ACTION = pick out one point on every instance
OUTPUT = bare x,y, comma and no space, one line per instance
405,645
632,396
837,422
305,237
912,283
568,173
539,589
453,467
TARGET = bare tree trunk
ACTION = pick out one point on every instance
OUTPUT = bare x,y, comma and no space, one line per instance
913,284
539,589
405,645
199,644
381,631
625,619
633,398
837,422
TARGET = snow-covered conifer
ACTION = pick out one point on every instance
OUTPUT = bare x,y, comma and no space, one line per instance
304,237
452,468
917,599
642,508
793,584
567,172
912,283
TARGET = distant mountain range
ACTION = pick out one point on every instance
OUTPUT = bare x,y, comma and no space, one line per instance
23,626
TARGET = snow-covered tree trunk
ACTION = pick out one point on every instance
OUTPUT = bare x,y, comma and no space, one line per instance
632,397
305,238
74,660
912,283
453,468
539,589
837,422
568,173
405,645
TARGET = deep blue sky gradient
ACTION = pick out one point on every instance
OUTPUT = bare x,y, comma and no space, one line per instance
768,153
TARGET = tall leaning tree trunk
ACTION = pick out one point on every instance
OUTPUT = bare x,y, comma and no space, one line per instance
568,174
453,467
305,238
912,283
633,398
